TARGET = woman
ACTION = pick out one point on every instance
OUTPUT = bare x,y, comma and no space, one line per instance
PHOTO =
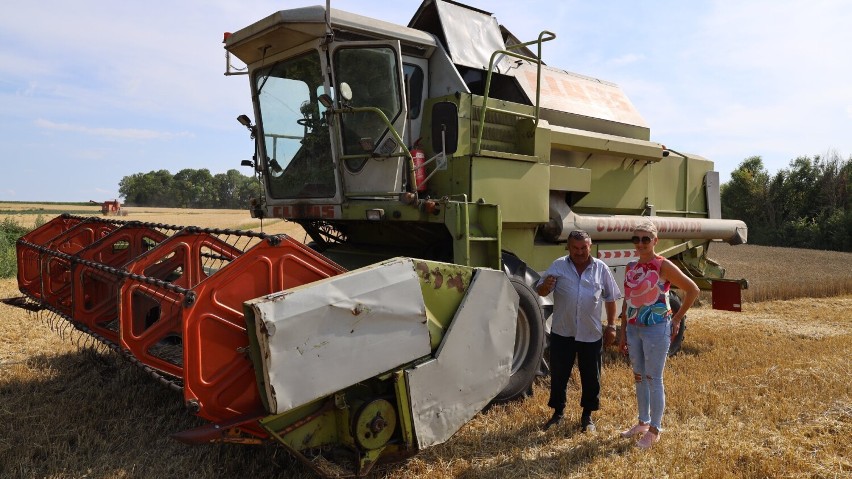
650,326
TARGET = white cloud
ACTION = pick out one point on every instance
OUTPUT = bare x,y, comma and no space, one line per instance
626,59
123,133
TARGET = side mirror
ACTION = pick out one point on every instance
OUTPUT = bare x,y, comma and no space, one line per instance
244,120
325,100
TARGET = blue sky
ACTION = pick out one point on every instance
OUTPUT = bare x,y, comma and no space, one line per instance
92,91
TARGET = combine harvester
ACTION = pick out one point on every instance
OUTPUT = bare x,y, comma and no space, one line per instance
272,340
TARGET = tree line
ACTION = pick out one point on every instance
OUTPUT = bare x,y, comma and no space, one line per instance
806,205
189,188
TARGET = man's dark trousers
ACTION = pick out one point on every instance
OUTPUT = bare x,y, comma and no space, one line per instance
562,353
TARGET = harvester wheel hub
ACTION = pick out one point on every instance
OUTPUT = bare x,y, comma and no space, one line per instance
374,423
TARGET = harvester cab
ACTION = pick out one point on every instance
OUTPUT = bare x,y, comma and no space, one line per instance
339,101
331,121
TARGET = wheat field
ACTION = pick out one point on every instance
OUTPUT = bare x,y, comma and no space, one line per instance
785,273
762,393
27,214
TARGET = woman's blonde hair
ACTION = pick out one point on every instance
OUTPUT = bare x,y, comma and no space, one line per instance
647,227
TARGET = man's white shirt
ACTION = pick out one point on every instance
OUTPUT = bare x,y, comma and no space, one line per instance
578,300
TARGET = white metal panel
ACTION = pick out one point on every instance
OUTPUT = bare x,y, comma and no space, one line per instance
472,36
444,78
325,336
377,175
472,364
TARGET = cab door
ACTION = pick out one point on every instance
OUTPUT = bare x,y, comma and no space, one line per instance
372,161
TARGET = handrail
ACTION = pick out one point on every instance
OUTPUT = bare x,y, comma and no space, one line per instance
537,61
404,151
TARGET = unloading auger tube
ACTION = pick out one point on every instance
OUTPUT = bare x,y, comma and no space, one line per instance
621,227
270,341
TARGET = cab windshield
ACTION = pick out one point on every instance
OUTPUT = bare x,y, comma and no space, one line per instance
296,139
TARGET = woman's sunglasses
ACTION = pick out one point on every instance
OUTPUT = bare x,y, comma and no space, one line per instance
642,239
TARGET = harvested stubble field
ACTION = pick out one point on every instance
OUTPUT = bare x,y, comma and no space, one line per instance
762,393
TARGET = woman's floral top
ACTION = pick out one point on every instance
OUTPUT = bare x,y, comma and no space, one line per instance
646,293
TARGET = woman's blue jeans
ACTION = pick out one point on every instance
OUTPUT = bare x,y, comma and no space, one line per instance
649,348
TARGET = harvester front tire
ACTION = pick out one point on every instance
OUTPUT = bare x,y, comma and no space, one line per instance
529,344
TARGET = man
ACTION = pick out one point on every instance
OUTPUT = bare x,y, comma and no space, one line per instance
581,285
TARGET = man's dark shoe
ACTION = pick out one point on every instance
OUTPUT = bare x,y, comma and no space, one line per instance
554,420
587,425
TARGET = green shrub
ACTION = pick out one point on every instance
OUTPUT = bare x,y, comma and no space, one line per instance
10,231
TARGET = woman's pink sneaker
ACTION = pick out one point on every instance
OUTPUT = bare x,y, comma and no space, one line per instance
635,430
647,440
